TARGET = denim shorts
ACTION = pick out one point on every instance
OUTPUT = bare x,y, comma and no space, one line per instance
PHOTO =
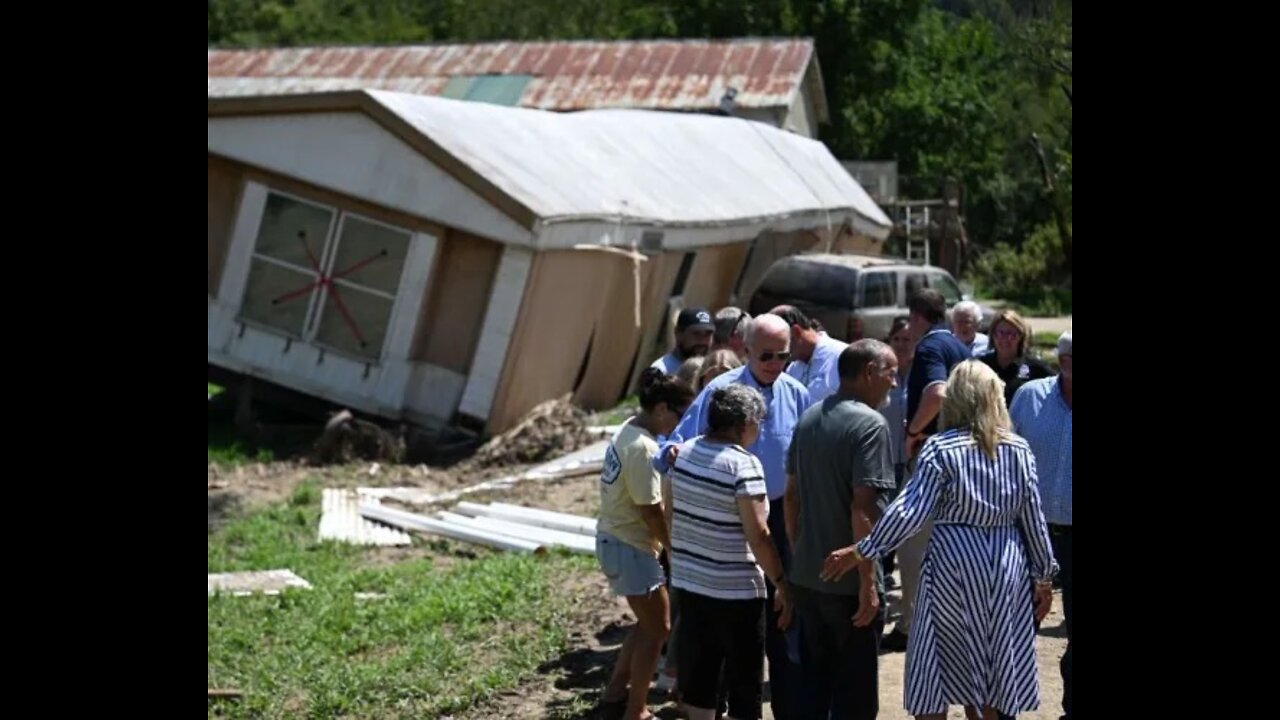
630,570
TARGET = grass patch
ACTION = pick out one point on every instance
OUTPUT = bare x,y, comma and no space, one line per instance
442,639
226,449
1044,345
1044,302
1045,339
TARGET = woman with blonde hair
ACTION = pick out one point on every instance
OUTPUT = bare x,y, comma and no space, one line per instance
717,363
987,572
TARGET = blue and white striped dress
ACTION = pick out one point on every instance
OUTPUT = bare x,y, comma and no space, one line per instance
972,641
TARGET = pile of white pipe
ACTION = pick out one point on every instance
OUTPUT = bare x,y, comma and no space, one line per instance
497,525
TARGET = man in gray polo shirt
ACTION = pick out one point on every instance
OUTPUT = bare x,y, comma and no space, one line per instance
839,469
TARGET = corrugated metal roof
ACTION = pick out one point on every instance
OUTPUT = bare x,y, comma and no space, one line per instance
674,168
571,170
579,75
340,520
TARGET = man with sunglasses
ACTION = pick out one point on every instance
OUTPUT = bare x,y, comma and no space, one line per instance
768,352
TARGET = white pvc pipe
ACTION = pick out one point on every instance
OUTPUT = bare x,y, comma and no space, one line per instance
589,523
572,541
542,512
531,516
412,521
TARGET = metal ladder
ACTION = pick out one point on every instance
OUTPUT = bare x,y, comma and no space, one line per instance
916,225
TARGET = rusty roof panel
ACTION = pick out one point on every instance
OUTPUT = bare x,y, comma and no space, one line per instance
739,60
660,74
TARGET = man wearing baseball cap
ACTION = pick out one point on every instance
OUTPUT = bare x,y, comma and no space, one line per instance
693,338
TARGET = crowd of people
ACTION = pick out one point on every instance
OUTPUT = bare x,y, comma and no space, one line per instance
756,506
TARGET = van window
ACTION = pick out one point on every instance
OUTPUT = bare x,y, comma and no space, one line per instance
945,285
832,287
879,289
814,283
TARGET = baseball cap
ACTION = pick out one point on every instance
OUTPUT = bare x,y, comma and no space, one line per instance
697,318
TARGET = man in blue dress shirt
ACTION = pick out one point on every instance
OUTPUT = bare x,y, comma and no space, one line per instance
1041,413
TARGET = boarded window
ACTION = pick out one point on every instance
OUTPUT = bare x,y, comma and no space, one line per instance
320,275
366,267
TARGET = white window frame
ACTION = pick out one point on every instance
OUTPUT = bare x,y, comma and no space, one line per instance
319,294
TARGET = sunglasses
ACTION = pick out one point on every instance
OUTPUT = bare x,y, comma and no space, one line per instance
783,356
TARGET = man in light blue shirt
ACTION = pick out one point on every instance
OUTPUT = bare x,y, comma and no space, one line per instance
768,351
784,397
815,356
1041,413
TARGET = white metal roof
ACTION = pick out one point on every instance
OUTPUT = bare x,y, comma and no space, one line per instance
672,169
597,176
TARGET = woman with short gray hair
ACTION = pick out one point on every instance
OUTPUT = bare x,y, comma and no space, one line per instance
720,543
733,409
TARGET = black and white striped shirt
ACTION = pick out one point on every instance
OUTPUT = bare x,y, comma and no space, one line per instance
710,554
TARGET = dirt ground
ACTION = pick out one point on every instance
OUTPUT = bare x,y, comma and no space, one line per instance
550,430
